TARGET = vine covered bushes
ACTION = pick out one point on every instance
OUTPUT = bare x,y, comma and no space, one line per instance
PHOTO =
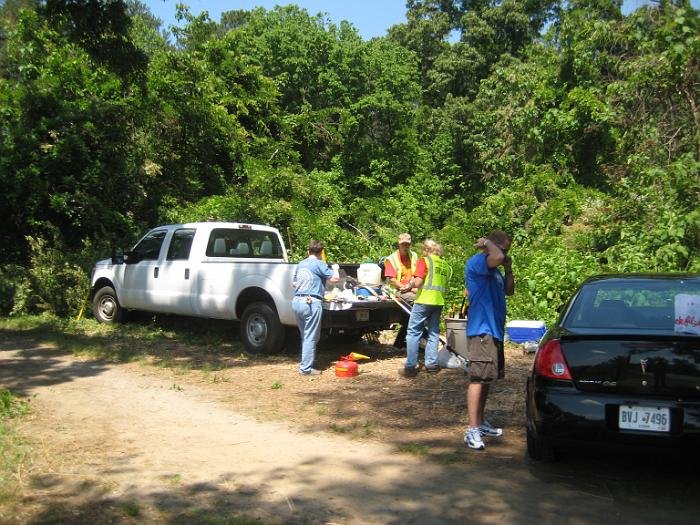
572,126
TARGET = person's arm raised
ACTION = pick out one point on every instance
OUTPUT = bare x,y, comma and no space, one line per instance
494,254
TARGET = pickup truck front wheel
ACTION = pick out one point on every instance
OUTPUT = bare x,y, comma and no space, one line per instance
261,330
106,307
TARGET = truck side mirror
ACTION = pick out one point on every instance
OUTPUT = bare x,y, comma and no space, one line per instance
117,256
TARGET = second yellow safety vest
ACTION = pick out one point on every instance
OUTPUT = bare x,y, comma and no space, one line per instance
435,282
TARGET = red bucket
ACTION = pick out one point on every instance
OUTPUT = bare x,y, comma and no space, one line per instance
346,368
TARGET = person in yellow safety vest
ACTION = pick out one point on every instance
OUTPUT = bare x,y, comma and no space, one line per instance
398,270
431,277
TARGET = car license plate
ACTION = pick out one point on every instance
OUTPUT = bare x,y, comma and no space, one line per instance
644,418
362,315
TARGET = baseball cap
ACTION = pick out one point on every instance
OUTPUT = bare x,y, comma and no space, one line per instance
404,237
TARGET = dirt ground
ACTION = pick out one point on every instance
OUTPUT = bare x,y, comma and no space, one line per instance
234,440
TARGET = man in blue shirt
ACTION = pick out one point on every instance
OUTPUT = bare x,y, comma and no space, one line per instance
310,279
486,319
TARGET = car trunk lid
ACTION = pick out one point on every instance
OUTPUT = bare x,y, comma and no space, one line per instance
660,366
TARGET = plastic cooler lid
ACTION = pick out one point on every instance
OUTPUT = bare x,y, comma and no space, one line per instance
525,324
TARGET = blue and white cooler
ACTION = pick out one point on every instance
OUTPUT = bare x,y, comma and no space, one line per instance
525,331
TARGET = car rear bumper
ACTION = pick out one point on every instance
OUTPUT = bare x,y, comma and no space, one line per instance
567,415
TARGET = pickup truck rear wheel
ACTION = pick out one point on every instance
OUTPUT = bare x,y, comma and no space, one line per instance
106,307
261,330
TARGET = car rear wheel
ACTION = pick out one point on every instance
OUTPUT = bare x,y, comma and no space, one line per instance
106,307
540,449
261,330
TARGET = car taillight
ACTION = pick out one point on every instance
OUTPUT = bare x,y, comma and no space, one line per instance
550,362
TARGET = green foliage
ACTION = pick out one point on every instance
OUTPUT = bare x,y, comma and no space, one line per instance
545,279
13,449
654,224
67,131
101,28
582,143
10,406
55,283
12,276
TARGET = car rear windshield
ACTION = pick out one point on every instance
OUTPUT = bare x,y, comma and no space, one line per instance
666,306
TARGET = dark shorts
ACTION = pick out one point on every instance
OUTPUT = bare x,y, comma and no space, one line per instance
486,359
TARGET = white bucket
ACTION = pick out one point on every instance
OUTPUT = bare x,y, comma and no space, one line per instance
369,273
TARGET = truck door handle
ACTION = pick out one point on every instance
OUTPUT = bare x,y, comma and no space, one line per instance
187,273
155,272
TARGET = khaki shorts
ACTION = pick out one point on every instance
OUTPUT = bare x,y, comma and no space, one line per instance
486,359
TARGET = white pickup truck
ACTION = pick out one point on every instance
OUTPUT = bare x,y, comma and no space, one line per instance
222,270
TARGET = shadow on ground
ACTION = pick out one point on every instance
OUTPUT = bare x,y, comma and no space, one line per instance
164,340
452,485
38,365
591,488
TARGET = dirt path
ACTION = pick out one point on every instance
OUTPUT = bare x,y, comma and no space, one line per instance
120,444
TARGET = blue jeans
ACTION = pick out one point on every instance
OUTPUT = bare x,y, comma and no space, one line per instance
423,315
309,322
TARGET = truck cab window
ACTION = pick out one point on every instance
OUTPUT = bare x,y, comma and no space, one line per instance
149,247
231,242
180,245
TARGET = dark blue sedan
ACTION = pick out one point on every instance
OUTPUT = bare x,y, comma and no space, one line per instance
621,366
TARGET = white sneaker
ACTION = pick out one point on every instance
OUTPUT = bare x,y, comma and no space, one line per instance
473,438
487,429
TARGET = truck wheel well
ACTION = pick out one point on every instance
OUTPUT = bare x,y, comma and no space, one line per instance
100,283
253,295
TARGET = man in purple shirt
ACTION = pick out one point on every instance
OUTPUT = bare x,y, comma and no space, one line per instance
486,319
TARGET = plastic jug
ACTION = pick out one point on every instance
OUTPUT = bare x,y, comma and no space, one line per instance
369,273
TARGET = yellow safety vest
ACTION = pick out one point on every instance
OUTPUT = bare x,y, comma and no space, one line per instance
395,260
435,282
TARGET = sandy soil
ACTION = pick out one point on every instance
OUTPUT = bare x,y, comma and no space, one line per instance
196,443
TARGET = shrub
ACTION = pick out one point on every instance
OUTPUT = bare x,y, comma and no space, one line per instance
10,406
546,276
54,283
11,278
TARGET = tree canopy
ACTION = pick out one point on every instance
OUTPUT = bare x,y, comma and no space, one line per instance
571,126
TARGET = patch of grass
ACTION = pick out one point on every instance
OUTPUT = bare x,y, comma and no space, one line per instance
214,517
14,450
176,387
130,508
415,449
175,479
142,337
355,429
276,385
211,367
449,458
164,360
12,407
218,378
183,368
